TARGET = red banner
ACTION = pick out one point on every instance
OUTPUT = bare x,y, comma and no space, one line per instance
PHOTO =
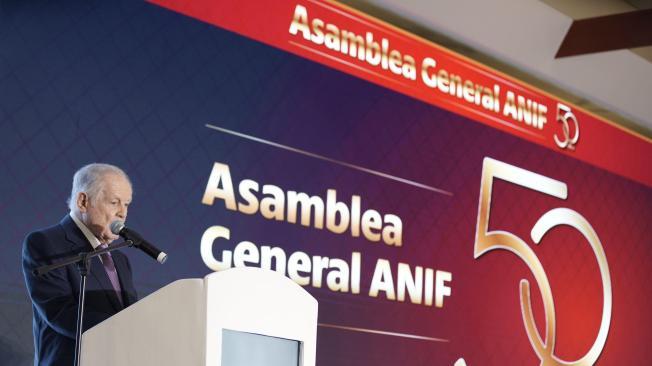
345,39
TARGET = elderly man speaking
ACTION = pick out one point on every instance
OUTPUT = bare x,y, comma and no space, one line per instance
101,194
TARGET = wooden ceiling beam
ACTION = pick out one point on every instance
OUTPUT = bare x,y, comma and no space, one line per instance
607,33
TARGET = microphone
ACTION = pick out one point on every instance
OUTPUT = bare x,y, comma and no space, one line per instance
118,228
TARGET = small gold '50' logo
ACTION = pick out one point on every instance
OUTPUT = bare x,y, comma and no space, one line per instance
566,117
486,241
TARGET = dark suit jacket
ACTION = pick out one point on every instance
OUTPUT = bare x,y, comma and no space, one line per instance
55,295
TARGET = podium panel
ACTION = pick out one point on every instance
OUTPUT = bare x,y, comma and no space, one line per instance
229,317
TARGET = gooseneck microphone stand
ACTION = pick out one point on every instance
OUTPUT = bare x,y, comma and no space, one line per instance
82,260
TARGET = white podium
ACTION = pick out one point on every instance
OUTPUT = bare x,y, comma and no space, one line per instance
214,321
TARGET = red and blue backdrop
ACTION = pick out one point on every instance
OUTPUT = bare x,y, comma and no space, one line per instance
167,89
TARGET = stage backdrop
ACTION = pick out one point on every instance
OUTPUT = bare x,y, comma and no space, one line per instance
441,212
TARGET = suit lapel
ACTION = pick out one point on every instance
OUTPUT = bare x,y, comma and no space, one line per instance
121,268
80,244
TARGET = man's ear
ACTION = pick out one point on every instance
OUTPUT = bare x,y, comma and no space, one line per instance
82,201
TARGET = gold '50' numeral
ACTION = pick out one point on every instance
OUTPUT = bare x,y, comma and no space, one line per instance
486,241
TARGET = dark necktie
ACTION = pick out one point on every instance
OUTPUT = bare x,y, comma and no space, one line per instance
109,267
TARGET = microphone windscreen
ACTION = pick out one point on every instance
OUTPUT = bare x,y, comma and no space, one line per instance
117,226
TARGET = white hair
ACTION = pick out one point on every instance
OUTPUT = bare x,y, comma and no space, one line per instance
88,179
